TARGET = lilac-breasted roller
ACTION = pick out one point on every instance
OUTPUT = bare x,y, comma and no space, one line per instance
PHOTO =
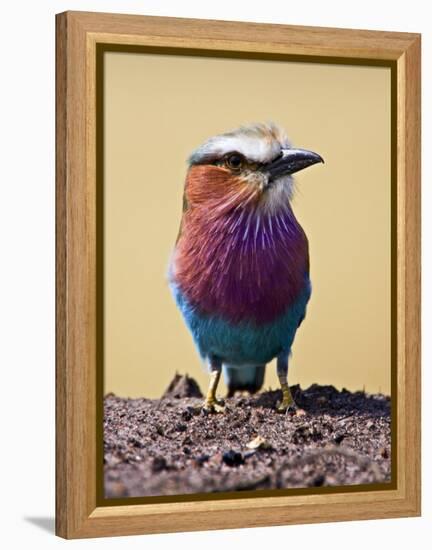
240,268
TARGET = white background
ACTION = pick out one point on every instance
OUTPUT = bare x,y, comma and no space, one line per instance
27,270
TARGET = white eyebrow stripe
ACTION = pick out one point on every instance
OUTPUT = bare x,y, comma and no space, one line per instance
256,150
258,143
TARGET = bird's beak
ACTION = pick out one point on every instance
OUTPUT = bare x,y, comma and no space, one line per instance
291,161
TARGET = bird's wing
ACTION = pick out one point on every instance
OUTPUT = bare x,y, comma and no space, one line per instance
184,210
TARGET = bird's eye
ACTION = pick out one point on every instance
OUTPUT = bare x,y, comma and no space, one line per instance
234,161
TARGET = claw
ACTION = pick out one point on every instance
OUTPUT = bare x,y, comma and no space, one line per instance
286,406
213,406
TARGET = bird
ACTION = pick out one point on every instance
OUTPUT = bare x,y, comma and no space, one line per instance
239,271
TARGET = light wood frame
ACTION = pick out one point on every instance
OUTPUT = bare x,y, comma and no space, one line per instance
78,35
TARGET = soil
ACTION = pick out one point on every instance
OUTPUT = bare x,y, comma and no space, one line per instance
170,446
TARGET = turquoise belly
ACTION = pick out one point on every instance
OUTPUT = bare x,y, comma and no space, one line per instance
243,343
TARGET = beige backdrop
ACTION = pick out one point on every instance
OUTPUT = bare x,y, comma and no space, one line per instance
158,109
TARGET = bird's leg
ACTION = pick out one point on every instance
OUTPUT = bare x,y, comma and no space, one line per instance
287,402
211,403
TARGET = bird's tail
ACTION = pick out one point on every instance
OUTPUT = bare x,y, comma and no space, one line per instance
243,378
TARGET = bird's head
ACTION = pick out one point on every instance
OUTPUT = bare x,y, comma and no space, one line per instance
252,165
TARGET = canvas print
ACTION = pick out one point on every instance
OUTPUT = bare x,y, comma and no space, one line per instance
247,276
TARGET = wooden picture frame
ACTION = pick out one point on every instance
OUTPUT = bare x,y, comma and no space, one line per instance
81,38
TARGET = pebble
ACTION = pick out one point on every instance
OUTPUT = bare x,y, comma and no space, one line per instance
159,464
232,458
258,443
338,438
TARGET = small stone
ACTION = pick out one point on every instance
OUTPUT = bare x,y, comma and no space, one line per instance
186,415
383,452
136,442
338,438
160,430
232,458
201,459
258,443
319,480
159,464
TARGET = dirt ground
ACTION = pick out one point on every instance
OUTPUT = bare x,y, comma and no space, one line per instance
170,446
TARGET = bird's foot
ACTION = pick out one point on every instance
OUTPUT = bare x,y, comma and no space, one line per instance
287,405
213,405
